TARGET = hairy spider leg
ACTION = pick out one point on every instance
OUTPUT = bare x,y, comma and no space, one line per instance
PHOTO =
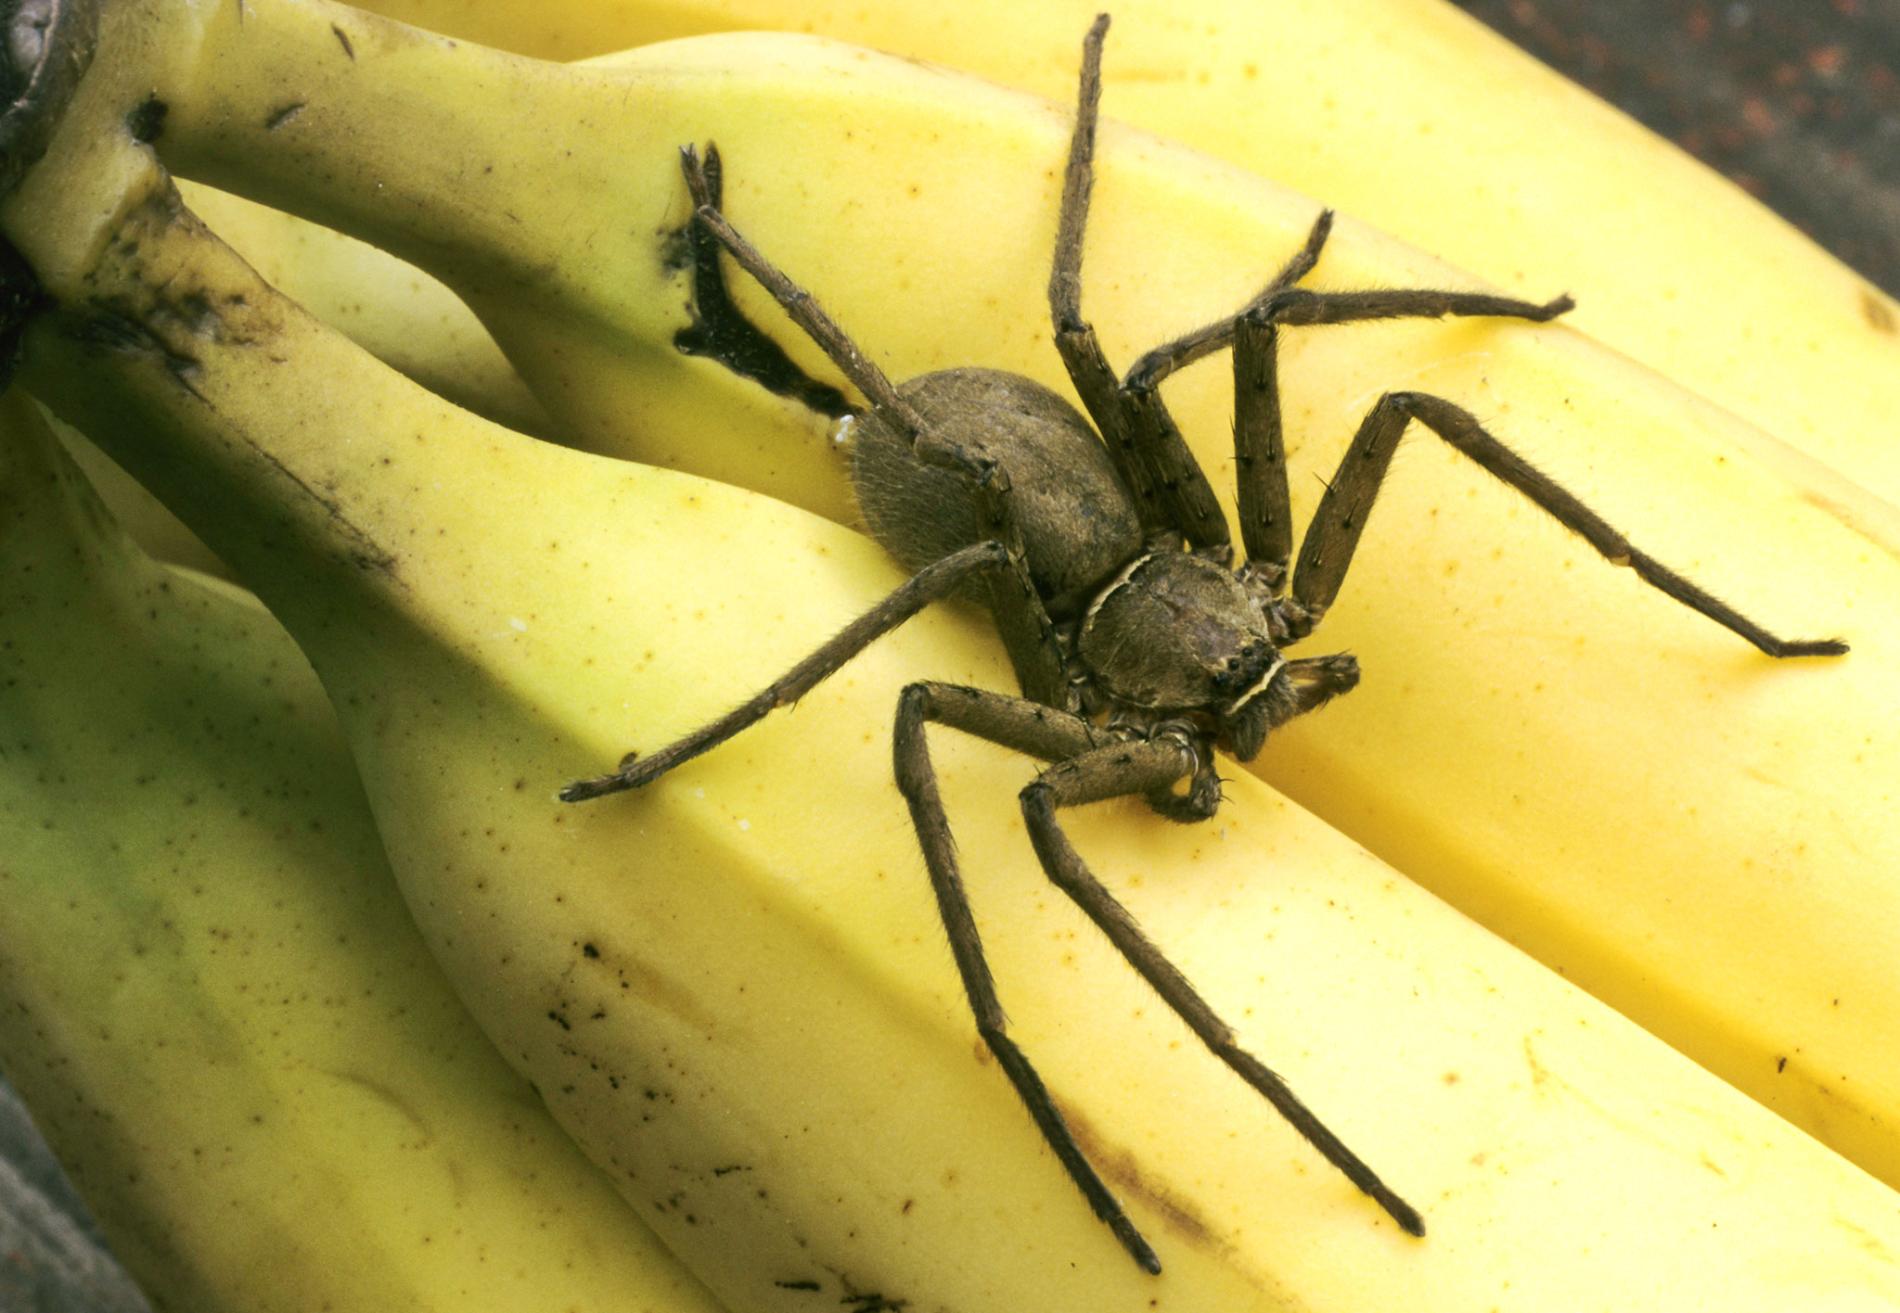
798,303
721,332
1021,619
1266,527
1203,522
1277,299
1142,767
1272,307
1334,533
1082,355
1042,732
1148,371
1090,765
1152,457
930,584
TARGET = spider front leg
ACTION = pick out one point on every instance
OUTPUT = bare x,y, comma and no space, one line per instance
1146,374
1280,301
1172,494
1116,770
930,584
795,300
1334,533
1021,617
1041,732
1266,524
1091,765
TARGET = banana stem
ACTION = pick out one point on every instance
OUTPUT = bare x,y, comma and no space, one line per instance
268,73
194,401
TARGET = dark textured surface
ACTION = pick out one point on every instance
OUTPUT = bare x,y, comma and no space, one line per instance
1796,100
51,1258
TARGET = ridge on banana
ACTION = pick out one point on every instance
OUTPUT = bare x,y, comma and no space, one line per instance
919,208
740,1006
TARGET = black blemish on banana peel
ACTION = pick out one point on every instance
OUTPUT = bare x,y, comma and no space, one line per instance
109,325
174,307
146,120
172,314
720,331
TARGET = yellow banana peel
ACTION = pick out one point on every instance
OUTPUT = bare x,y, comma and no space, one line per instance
1411,115
1525,706
393,309
732,989
215,1003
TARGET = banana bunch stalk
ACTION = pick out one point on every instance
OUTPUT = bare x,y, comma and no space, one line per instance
1700,836
215,1001
734,994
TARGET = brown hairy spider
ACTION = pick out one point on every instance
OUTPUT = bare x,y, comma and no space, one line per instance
1105,563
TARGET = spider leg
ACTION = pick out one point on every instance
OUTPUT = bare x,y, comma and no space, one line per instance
722,333
1171,493
1092,764
1042,732
930,584
797,302
1115,770
1280,301
1261,497
1266,525
1334,533
1020,615
1147,372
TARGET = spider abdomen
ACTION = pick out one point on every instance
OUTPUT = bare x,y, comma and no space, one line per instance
1078,522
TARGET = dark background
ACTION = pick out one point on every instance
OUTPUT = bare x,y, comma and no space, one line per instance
1796,100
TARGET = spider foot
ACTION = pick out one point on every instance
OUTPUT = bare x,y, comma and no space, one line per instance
625,776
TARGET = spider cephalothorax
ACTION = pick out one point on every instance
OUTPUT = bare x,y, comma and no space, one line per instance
1104,559
1146,632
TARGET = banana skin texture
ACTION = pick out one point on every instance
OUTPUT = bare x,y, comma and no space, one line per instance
1414,117
391,308
1700,836
215,1002
736,997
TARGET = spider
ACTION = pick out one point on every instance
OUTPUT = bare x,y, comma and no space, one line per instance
1106,564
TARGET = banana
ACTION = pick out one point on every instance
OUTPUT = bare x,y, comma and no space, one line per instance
214,1000
732,990
1521,701
394,310
143,517
391,309
1415,117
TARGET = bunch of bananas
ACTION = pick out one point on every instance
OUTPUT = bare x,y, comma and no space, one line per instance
730,992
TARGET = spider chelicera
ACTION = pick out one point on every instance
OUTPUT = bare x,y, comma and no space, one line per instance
1106,563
